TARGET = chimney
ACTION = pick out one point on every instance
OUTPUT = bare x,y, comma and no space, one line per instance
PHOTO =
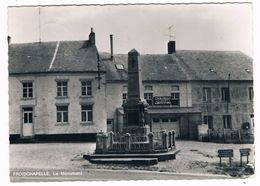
9,39
92,37
111,47
171,47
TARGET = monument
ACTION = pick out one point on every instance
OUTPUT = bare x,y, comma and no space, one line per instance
136,143
135,107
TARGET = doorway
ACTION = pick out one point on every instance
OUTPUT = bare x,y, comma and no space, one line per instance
27,122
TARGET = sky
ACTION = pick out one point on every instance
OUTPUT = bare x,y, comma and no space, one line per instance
144,27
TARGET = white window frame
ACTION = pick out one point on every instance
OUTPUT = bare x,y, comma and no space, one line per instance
207,94
148,96
27,90
62,113
86,89
62,89
226,120
86,112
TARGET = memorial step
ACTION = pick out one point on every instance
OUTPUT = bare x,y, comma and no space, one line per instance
132,161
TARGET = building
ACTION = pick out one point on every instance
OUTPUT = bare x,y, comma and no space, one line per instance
69,91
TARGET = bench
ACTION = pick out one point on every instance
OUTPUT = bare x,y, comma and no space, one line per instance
244,152
225,153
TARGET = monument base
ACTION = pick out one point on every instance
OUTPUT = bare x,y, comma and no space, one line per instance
137,130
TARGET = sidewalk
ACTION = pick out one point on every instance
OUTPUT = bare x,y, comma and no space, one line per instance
194,158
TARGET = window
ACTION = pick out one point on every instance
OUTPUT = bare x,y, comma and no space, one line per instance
175,99
148,88
119,66
86,113
62,88
208,120
149,98
124,96
62,114
156,120
251,93
165,120
175,119
227,122
175,88
110,121
27,90
28,115
225,94
86,88
207,95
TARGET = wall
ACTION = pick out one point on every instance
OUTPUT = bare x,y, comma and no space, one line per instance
114,91
240,107
44,103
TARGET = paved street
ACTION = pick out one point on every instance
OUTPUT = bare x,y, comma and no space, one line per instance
195,160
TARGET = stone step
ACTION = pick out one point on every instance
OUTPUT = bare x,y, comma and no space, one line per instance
132,161
160,156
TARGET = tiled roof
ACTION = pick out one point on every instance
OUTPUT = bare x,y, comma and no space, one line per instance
185,65
154,67
216,65
65,56
70,56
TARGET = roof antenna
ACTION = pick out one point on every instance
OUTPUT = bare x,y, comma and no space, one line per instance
170,33
39,24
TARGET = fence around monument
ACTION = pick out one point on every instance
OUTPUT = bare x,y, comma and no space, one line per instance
127,143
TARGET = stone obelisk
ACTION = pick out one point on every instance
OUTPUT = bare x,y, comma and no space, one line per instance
135,107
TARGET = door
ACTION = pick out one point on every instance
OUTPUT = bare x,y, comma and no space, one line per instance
27,124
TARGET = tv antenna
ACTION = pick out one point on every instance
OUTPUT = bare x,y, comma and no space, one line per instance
171,35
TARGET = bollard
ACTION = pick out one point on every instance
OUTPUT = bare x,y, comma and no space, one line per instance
170,140
99,143
105,144
151,144
164,140
128,142
110,139
173,138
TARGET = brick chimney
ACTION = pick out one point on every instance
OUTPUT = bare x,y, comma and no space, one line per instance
171,47
92,39
9,39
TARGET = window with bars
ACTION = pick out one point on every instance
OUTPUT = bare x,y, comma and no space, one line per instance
149,98
175,99
86,88
86,113
227,122
62,114
207,95
62,88
209,121
27,89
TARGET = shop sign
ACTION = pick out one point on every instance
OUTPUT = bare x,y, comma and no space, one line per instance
162,100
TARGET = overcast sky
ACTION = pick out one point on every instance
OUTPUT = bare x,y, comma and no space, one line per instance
144,27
